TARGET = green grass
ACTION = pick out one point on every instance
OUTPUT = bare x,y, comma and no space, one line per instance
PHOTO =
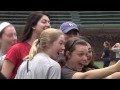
100,64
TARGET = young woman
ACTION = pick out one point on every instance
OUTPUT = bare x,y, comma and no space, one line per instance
106,54
116,49
89,65
40,63
36,23
76,52
8,37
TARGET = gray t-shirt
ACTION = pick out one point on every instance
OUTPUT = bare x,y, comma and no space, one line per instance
40,67
1,61
1,53
2,57
67,73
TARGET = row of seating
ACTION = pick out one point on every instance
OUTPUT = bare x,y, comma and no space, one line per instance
58,17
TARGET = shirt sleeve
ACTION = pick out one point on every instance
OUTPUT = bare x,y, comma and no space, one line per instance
54,72
13,55
67,73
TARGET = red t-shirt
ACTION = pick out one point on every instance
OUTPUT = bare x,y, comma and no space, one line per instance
16,55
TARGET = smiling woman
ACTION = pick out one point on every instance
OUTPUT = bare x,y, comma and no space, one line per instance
76,53
40,63
36,22
8,37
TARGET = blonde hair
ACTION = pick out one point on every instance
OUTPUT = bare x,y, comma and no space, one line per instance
117,45
47,37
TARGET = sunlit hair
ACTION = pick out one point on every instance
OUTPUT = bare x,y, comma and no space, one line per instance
47,37
71,43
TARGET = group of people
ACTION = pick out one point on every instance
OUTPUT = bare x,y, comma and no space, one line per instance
49,53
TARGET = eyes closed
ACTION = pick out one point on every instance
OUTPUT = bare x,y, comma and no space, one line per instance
44,21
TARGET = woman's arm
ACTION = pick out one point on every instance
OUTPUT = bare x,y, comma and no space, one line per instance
114,76
98,73
116,48
103,54
7,68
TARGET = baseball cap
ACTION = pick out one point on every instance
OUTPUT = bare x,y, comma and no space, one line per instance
68,26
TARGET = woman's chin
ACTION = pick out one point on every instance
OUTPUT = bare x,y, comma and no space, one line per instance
55,58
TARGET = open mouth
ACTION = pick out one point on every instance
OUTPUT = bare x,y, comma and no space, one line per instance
60,53
81,65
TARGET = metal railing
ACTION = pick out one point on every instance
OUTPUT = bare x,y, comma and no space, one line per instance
58,17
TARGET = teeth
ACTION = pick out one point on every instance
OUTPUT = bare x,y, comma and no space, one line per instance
83,62
60,52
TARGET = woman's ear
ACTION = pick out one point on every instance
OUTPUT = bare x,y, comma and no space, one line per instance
33,28
67,53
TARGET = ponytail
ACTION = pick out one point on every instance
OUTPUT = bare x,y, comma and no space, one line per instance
34,50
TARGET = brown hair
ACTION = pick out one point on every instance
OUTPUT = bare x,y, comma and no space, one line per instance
32,20
108,44
71,43
91,65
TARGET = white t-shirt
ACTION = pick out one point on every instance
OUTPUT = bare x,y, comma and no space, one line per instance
40,67
117,51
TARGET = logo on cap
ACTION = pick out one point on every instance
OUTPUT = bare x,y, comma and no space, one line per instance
71,24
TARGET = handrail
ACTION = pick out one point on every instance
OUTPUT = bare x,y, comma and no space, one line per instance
64,15
98,11
102,18
82,17
98,15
